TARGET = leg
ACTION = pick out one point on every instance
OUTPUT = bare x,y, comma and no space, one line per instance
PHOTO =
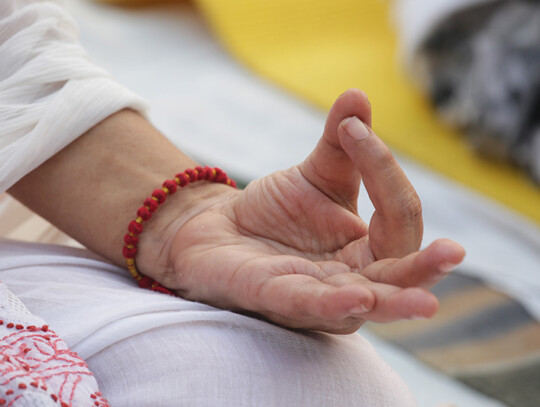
151,349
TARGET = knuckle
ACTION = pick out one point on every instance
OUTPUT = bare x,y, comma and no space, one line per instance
385,157
381,158
410,208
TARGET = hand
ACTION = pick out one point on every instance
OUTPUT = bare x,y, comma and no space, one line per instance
292,248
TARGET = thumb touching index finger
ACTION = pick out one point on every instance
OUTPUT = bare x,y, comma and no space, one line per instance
328,167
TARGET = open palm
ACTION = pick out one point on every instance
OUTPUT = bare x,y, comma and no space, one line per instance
292,248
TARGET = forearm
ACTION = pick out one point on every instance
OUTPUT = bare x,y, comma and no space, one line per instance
92,188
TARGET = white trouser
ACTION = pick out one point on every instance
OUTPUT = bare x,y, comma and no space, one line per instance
152,349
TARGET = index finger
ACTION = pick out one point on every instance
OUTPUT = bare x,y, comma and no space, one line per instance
396,227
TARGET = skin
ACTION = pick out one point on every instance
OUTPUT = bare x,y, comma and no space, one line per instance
290,247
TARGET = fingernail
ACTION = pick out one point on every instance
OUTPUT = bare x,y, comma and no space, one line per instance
356,128
447,267
345,121
358,310
418,317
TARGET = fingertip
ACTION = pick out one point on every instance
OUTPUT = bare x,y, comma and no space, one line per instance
353,301
432,308
357,94
449,254
418,303
352,102
363,305
354,128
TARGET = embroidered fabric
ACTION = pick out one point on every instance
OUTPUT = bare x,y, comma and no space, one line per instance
37,368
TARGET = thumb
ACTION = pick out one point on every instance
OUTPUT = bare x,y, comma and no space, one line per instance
328,167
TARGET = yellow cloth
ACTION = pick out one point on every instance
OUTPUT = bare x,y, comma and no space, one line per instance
319,48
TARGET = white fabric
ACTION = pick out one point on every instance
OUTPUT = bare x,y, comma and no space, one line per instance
49,91
37,368
152,349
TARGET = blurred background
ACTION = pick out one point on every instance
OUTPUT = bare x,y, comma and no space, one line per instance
455,91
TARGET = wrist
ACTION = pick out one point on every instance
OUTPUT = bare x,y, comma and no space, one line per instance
154,257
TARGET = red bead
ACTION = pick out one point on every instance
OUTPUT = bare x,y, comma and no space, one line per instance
63,404
170,185
10,325
163,290
129,253
19,326
45,328
160,195
201,173
22,386
151,204
9,392
135,228
133,240
208,173
145,282
182,179
192,174
54,397
216,173
221,178
2,402
144,213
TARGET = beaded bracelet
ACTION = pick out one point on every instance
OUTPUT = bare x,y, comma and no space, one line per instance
151,204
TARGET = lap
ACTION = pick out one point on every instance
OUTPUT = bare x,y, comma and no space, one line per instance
151,349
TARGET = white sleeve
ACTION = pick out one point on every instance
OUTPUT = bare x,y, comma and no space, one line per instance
50,93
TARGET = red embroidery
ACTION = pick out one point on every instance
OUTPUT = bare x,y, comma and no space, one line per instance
35,359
